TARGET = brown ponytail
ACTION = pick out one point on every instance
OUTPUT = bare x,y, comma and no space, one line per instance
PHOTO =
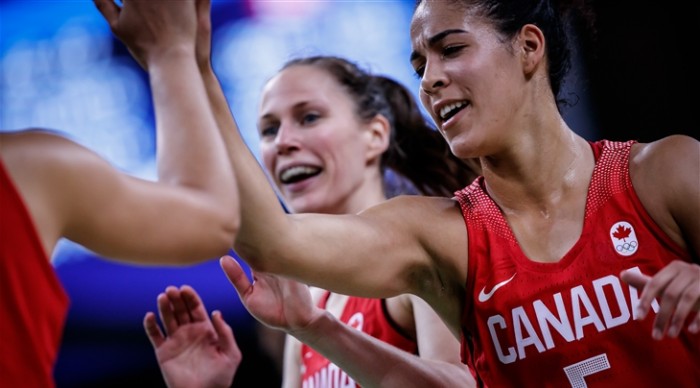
417,151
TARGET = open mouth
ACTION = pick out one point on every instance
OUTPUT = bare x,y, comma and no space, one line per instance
298,173
448,111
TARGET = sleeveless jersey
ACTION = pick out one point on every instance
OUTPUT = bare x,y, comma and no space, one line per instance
571,323
367,315
34,304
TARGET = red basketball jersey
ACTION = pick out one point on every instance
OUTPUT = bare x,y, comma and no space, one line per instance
571,323
34,303
367,315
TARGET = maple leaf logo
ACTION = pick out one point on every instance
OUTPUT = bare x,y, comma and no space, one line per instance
622,232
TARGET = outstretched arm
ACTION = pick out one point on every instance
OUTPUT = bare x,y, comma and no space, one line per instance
195,351
287,305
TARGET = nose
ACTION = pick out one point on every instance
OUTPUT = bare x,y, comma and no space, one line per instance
434,78
287,139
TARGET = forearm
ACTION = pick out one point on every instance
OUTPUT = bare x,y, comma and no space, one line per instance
190,151
262,216
373,363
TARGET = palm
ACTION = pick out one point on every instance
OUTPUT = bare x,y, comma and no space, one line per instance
192,354
198,351
275,301
278,302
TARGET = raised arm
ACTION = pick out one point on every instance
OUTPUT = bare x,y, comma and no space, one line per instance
190,151
191,214
317,249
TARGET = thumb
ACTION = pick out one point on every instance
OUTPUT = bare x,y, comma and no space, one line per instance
109,10
235,274
226,338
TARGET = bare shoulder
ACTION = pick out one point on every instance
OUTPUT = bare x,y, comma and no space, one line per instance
666,152
439,225
673,159
436,218
43,151
665,177
42,165
415,210
436,221
50,167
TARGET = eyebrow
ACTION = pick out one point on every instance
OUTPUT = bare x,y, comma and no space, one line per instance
435,39
296,106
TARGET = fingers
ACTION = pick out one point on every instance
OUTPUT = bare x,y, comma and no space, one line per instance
227,340
235,274
155,335
651,288
193,304
682,296
694,326
677,288
180,310
109,10
167,315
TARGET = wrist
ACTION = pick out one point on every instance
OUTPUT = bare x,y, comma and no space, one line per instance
170,54
322,323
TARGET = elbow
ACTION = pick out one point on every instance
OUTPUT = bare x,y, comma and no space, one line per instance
228,224
226,234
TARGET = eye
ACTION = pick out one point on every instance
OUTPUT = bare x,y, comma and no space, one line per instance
268,131
450,51
418,72
310,118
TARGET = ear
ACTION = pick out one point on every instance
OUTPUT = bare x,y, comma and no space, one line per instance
378,136
532,47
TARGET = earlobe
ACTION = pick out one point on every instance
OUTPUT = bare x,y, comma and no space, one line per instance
533,47
379,136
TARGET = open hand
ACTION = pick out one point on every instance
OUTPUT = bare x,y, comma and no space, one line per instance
275,301
195,351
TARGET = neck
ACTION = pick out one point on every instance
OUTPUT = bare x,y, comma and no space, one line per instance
539,171
361,199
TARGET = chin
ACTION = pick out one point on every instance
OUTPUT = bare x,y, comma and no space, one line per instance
464,149
304,204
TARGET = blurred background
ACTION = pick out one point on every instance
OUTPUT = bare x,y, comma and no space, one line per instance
60,68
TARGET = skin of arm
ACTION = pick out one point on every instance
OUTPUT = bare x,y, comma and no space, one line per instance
671,163
191,214
390,241
287,305
305,246
298,312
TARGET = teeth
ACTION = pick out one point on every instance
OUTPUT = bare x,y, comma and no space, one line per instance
447,109
291,172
